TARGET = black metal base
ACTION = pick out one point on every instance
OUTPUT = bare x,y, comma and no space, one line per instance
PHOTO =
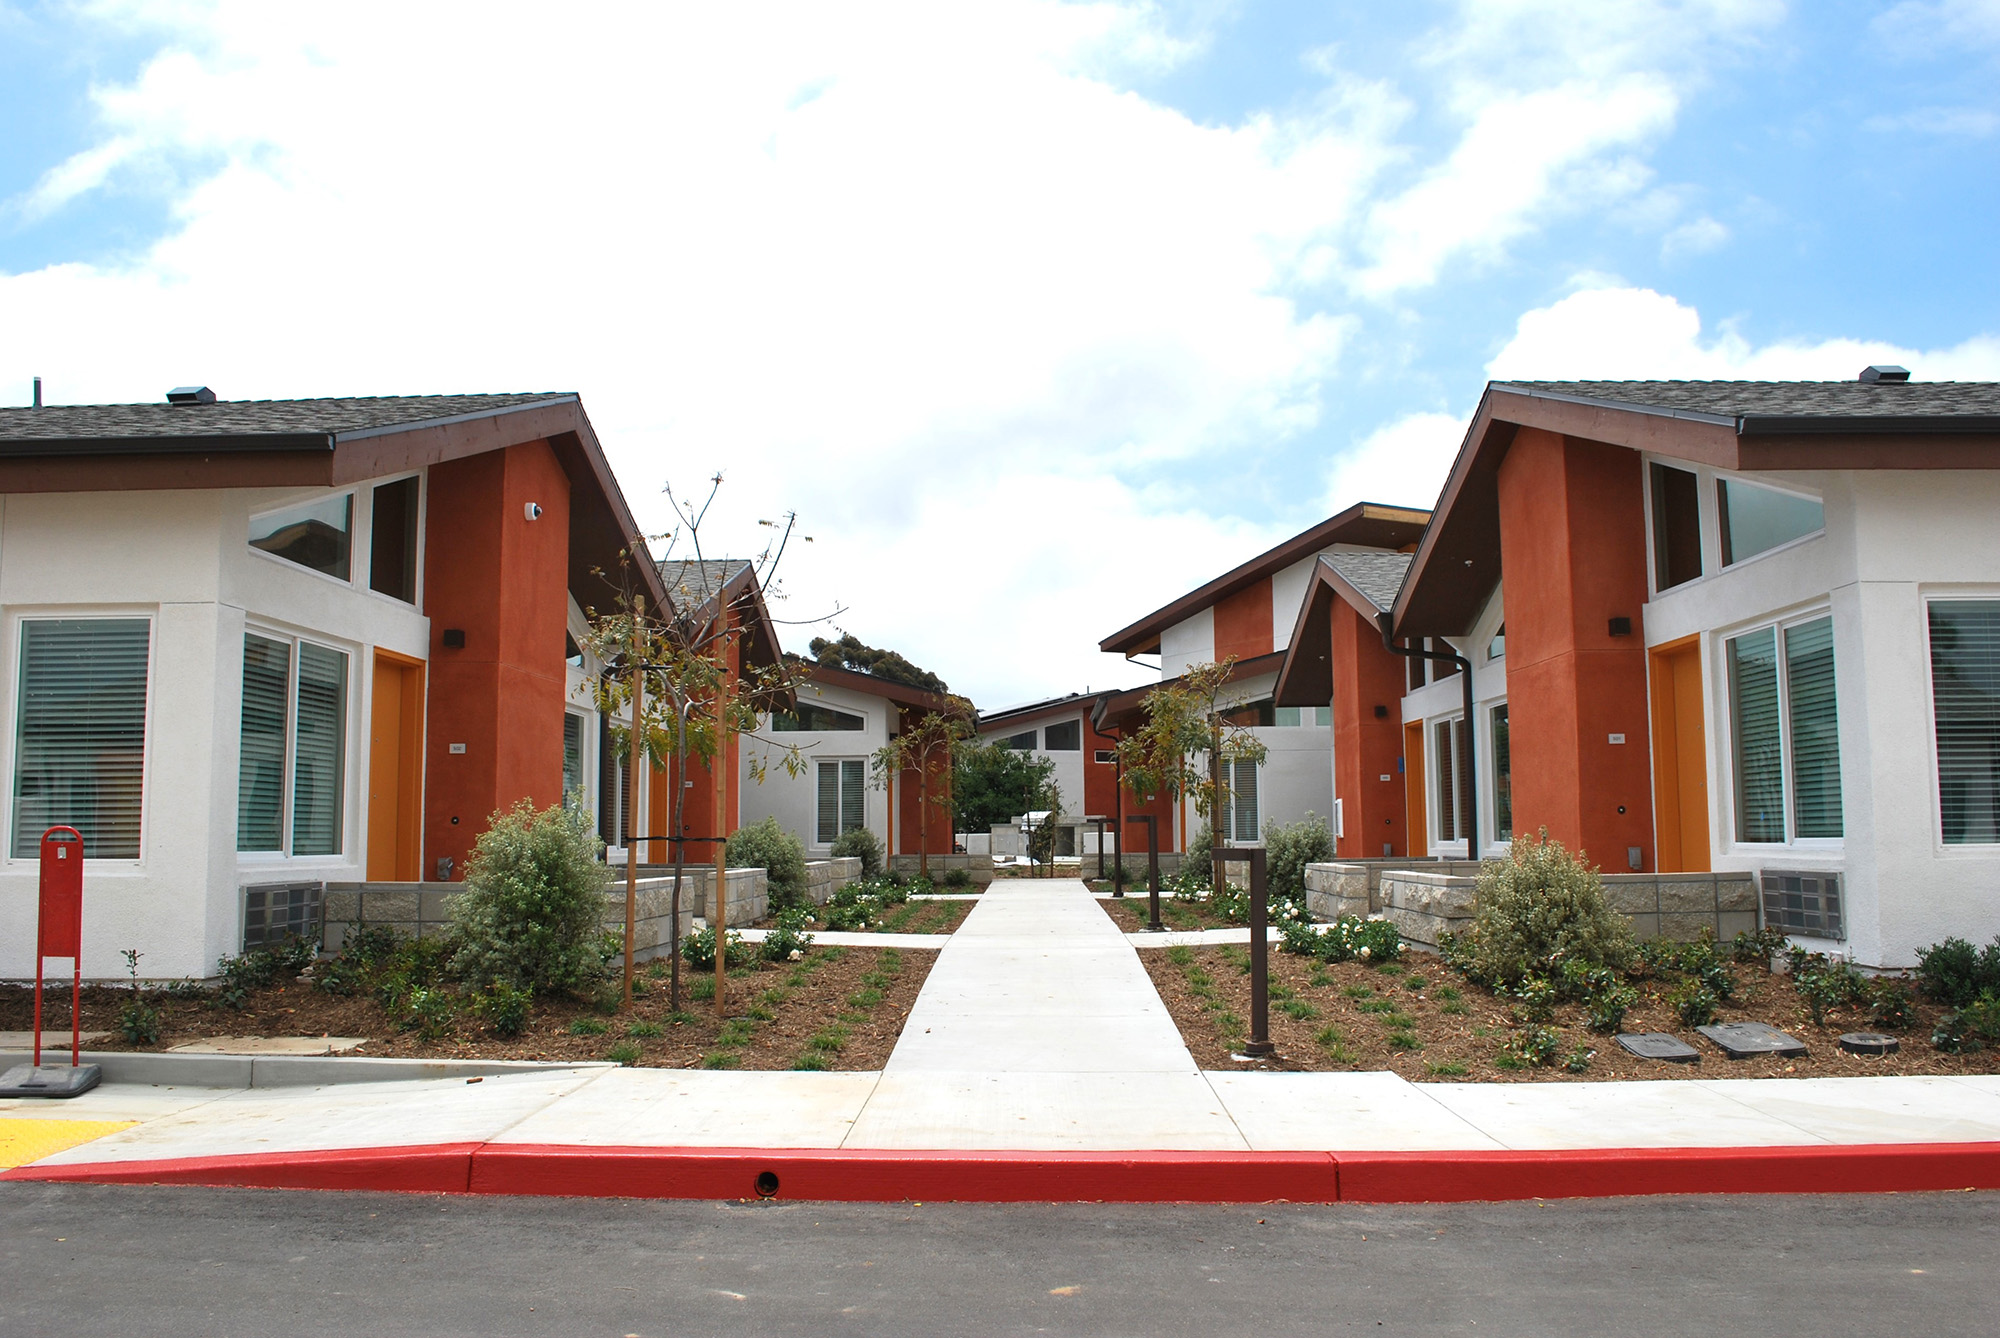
54,1080
1258,1049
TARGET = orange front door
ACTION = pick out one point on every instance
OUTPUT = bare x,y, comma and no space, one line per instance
1413,789
395,776
1680,758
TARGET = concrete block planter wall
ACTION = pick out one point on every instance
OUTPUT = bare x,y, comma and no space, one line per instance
1425,900
980,867
824,877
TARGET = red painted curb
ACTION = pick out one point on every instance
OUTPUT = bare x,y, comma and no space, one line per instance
444,1168
874,1175
1458,1177
878,1176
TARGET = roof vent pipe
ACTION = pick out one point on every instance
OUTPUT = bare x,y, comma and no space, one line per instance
190,395
38,392
1891,372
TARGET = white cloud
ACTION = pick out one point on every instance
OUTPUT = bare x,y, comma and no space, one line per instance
1403,463
1639,334
1966,122
1697,236
1922,28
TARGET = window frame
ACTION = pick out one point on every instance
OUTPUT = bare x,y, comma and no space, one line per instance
16,645
350,713
839,765
1723,562
1939,846
1495,838
1230,765
418,548
1708,496
355,534
1434,776
1728,782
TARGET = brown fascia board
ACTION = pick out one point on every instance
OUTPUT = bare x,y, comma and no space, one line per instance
901,693
1457,564
1365,524
1116,712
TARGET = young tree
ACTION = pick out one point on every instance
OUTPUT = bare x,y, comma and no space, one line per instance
684,675
929,746
1187,720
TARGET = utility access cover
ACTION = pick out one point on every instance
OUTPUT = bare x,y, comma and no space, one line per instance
1745,1040
1660,1045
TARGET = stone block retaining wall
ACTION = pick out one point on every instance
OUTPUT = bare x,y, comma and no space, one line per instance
979,866
1425,902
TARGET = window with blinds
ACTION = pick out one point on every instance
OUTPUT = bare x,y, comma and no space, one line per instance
1965,699
1785,733
842,798
80,741
1503,777
572,760
291,780
1240,774
1448,742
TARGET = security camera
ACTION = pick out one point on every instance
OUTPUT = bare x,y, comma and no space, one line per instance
533,510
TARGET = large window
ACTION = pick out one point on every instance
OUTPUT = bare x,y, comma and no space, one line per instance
1447,785
80,740
1965,695
841,795
1020,743
292,776
1503,777
1064,737
1754,520
1785,733
1676,526
815,719
392,543
314,535
1292,716
1240,813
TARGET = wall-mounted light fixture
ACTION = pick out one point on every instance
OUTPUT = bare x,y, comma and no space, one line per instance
532,510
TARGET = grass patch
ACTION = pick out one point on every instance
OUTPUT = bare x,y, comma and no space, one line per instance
589,1026
1320,979
1357,991
625,1052
1414,983
1376,1006
1404,1040
1446,1070
1455,1007
720,1059
813,1062
1299,1009
831,1040
1180,954
643,1029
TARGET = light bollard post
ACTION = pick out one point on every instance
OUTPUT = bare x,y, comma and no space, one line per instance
1152,867
1259,1044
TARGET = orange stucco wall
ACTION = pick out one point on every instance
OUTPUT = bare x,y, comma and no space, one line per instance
1573,556
1365,747
916,832
698,813
502,579
1243,623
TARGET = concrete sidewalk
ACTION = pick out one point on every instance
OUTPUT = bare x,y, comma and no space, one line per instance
1038,1062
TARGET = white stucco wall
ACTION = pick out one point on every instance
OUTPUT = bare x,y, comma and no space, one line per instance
1069,763
1445,700
183,560
1187,643
1892,540
794,800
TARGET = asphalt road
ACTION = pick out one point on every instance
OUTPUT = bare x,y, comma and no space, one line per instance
157,1261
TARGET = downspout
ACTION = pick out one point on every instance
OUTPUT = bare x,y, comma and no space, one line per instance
1471,771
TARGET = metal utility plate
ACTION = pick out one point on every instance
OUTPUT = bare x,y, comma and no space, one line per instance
1659,1045
56,1080
1745,1040
1869,1043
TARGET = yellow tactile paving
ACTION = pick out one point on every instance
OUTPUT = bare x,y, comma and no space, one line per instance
26,1139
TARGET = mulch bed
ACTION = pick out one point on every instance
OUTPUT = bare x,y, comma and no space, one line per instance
840,1008
912,917
1134,912
1335,1031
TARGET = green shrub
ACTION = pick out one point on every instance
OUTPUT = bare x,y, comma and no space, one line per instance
1824,985
1288,848
860,843
1198,863
1540,907
767,846
787,940
1954,973
1694,1003
1606,1009
429,1011
1890,1005
957,878
503,1006
533,904
1538,998
1761,946
1973,1027
1578,1060
698,950
1533,1044
1353,939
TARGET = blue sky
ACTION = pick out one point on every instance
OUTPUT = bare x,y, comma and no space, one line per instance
1037,314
